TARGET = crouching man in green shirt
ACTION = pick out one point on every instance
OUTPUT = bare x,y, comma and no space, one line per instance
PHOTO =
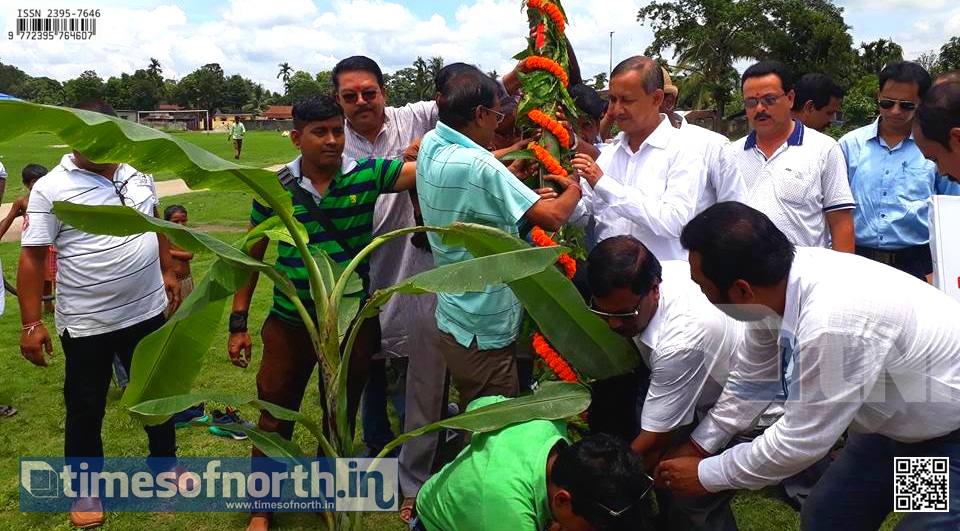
527,475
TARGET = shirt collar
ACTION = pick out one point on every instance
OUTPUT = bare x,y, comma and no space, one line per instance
795,139
873,131
386,121
651,334
347,165
453,136
68,163
659,138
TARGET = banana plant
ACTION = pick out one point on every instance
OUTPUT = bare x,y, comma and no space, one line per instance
167,362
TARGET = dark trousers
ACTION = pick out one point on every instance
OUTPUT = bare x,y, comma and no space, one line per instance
916,261
89,365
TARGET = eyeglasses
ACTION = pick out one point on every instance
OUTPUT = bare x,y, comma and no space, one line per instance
607,315
616,514
366,95
886,104
500,115
767,101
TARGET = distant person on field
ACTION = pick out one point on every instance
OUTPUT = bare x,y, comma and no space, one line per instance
817,101
181,258
30,174
237,130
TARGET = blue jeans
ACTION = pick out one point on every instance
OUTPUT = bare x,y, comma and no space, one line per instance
856,493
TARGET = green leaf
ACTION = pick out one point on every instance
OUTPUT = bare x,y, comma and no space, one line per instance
582,338
104,138
520,154
274,229
554,401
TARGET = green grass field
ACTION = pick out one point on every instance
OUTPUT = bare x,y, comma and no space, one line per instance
260,148
37,429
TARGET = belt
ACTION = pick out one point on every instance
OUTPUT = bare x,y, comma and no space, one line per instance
897,256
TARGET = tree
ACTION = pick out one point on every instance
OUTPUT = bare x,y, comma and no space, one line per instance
87,87
819,26
116,92
236,93
260,99
860,102
202,89
301,86
708,36
874,56
325,80
155,68
12,80
599,81
930,60
285,71
950,55
42,90
402,86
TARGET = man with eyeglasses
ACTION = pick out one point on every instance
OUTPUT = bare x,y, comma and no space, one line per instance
890,179
792,173
111,293
647,182
527,475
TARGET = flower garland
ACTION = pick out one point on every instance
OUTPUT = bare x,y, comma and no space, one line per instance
568,264
538,62
556,363
548,123
551,10
549,163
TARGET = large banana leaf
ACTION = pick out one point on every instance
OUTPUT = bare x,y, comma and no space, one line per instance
555,400
582,338
107,139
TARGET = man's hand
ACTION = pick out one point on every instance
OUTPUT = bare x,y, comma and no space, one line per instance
587,168
686,449
240,348
34,342
172,287
681,476
564,182
523,169
546,193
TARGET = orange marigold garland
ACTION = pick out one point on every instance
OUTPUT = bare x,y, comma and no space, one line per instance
568,264
551,10
556,363
538,62
548,123
549,163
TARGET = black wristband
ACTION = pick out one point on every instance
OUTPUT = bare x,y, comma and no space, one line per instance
238,322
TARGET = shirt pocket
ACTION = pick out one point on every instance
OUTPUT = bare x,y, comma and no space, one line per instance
794,186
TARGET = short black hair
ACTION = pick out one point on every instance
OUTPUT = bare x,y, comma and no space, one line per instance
462,94
357,63
32,172
907,72
588,100
602,475
173,209
648,68
734,242
622,262
236,118
448,72
939,112
764,68
96,106
953,75
314,109
817,88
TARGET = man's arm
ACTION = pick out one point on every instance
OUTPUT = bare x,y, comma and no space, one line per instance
178,254
841,230
408,177
16,209
240,342
168,269
34,338
551,214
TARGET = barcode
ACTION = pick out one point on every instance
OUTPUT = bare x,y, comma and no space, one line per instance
921,484
56,25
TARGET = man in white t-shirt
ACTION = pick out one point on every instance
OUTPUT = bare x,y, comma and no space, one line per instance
111,293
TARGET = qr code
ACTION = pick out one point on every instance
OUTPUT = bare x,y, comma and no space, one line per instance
921,484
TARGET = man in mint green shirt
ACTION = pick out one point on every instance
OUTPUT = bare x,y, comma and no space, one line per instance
525,476
459,180
237,130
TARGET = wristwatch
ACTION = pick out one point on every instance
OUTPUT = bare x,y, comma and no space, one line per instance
238,322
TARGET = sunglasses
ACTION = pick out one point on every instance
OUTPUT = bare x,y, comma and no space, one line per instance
767,101
366,95
886,104
607,315
615,514
120,187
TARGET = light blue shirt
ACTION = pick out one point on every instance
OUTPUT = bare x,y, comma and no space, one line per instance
459,181
891,187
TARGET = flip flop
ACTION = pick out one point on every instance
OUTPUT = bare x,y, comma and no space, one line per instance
7,411
408,509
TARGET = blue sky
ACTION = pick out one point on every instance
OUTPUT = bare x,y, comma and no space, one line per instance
251,37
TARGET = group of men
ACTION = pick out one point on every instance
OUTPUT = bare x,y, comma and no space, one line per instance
801,343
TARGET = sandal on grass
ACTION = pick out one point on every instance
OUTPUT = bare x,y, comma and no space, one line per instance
408,509
7,411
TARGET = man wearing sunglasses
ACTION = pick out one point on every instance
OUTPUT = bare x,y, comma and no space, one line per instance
890,178
792,173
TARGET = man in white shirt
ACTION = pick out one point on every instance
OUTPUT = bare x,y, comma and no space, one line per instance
111,293
723,182
793,174
848,351
647,182
686,343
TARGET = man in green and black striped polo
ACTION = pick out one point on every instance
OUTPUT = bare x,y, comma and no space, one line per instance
345,190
